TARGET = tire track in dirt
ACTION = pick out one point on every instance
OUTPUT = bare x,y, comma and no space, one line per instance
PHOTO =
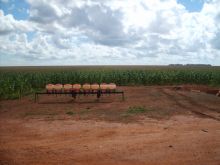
192,105
173,98
203,110
196,103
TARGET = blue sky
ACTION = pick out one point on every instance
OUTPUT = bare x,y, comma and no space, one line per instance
192,5
18,8
38,32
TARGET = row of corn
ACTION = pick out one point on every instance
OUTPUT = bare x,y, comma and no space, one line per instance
21,81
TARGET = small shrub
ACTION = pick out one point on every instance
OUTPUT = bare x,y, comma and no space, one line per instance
137,110
70,113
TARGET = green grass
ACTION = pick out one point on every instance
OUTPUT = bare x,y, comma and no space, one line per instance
138,110
70,113
150,112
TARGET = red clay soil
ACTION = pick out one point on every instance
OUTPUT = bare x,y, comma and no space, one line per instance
176,127
199,88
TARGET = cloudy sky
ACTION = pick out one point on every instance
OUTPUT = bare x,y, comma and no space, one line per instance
99,32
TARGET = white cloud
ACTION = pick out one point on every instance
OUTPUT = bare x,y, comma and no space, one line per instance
4,1
9,24
114,32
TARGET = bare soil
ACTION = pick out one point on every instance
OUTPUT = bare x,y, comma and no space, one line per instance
175,126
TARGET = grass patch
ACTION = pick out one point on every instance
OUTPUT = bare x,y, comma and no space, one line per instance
70,113
148,112
136,110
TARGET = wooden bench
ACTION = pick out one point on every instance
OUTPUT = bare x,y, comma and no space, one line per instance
78,89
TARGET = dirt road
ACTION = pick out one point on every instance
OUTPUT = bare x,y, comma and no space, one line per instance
59,130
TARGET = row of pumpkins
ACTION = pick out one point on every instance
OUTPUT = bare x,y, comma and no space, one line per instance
86,86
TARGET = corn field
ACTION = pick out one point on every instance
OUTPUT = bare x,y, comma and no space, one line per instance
23,81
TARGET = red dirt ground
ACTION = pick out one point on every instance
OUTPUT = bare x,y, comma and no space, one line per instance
177,127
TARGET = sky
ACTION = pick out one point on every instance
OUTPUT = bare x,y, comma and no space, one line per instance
109,32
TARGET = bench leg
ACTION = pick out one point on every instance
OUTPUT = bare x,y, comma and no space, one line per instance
74,95
98,94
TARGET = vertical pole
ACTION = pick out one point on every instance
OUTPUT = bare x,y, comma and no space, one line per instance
74,94
98,94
